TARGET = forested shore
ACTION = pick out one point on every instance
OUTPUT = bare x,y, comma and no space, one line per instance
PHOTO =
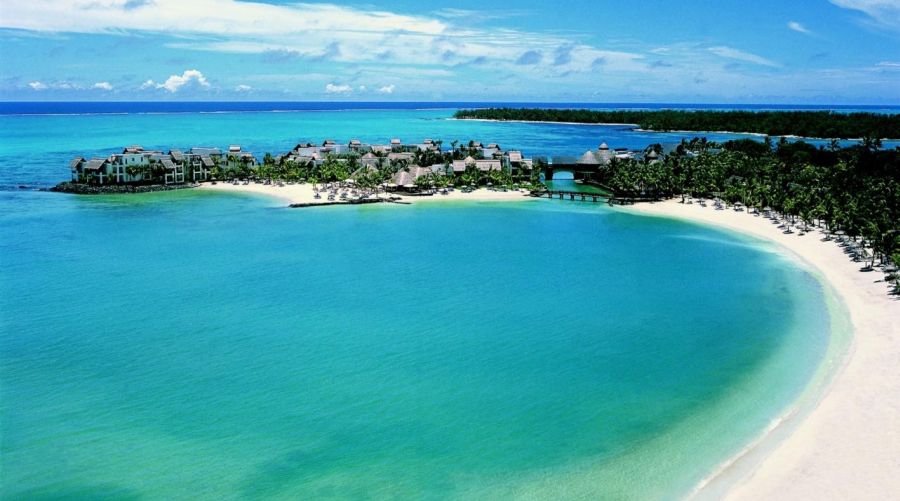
812,124
855,189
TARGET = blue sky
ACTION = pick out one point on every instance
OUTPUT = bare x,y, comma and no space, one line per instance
696,51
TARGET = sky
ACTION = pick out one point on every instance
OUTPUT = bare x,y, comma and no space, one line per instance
604,51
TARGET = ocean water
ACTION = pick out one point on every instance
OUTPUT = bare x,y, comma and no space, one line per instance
209,346
36,139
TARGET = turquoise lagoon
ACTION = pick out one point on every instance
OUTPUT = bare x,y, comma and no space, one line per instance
197,345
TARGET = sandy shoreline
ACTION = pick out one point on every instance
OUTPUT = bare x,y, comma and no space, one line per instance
637,128
304,194
847,445
591,124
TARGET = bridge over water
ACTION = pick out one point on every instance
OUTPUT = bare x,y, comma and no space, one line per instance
585,167
569,165
603,197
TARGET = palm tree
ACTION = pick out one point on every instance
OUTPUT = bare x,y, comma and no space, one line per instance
871,143
132,171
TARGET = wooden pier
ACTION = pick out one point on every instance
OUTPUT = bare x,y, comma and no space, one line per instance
588,197
573,195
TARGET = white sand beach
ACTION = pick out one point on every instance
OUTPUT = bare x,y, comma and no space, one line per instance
304,194
847,446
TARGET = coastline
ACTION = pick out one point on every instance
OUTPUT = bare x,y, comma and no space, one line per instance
758,134
843,444
541,122
303,194
637,128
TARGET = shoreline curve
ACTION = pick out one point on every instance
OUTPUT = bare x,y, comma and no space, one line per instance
844,445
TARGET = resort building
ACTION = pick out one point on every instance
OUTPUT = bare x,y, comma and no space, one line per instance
408,179
133,165
484,165
136,165
201,161
239,159
587,165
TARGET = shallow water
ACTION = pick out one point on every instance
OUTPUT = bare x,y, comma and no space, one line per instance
216,346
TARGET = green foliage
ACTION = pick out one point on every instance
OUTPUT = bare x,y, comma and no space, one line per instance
824,124
855,189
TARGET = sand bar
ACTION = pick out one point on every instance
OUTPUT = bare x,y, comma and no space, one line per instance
847,446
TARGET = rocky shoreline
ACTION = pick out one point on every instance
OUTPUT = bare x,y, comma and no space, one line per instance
113,189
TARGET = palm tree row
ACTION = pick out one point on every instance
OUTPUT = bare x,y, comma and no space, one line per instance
855,190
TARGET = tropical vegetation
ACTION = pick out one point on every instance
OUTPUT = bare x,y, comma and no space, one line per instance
854,190
818,124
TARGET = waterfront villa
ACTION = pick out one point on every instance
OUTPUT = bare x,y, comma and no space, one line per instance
137,165
133,165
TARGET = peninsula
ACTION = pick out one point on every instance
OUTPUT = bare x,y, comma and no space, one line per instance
412,169
852,191
812,124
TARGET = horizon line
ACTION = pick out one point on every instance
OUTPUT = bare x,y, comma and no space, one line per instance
679,103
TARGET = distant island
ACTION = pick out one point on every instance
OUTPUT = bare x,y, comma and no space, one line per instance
813,124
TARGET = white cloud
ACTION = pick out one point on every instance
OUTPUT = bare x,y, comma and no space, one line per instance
311,31
208,16
176,82
387,89
883,12
889,64
453,13
102,86
475,16
338,89
59,85
243,88
433,55
738,55
799,28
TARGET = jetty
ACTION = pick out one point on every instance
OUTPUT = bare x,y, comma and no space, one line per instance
588,197
352,201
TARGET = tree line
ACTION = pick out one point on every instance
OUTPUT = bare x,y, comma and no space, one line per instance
816,124
854,189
